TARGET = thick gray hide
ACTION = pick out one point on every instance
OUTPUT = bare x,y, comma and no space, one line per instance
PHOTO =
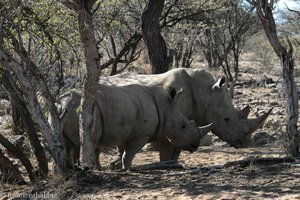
204,100
129,117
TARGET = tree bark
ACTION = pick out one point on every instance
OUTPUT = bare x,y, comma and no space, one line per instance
291,97
264,11
10,173
29,125
18,127
30,80
156,45
92,62
52,134
93,68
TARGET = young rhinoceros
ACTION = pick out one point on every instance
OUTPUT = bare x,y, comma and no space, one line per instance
129,117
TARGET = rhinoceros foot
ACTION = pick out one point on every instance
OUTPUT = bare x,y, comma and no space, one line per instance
117,164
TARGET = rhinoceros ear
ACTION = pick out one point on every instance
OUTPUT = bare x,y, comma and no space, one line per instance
219,83
173,94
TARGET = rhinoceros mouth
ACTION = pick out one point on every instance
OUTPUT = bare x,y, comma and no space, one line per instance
241,143
192,148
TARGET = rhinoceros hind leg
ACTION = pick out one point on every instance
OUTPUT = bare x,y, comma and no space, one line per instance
117,163
76,155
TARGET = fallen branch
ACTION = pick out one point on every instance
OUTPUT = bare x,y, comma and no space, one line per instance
258,161
240,163
173,164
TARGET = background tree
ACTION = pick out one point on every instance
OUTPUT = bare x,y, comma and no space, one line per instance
225,37
27,122
15,56
118,28
84,10
156,45
264,10
182,24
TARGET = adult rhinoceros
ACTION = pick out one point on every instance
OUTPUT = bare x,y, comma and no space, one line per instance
204,100
129,117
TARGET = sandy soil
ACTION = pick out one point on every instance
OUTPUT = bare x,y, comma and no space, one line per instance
206,173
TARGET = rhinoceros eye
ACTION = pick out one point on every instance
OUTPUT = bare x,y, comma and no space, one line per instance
226,119
183,126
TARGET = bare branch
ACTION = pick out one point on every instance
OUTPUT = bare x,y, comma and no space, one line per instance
292,10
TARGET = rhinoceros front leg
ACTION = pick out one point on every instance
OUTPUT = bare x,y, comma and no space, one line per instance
167,151
73,151
131,149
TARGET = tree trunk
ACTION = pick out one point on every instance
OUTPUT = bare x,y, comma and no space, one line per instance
18,127
236,63
29,125
187,56
92,62
51,133
157,48
291,97
93,68
10,173
264,11
31,80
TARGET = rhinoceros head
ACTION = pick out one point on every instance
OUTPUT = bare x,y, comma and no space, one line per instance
230,124
178,129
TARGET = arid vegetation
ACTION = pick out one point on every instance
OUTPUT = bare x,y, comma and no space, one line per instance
49,47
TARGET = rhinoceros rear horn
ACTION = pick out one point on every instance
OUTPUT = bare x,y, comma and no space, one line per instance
258,122
205,129
219,83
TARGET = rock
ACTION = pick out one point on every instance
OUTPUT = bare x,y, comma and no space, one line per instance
264,80
274,91
274,103
272,85
206,140
260,139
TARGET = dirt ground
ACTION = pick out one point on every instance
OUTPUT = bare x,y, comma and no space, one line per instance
212,172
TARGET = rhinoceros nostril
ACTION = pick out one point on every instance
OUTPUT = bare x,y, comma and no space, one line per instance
194,147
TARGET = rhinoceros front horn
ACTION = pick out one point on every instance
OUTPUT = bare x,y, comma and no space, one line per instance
203,130
258,122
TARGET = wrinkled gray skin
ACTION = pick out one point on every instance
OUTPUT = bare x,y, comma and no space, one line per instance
204,100
129,117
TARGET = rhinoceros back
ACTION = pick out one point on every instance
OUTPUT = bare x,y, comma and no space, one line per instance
127,112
